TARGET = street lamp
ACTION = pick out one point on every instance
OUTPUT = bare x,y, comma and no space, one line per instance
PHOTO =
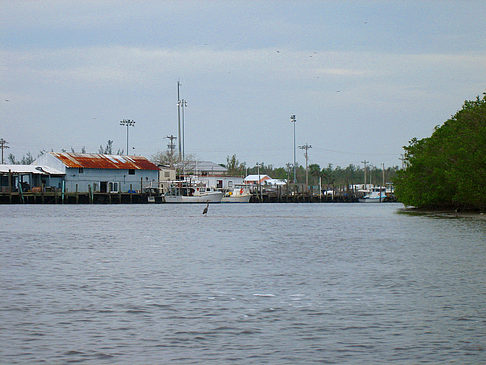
293,120
127,123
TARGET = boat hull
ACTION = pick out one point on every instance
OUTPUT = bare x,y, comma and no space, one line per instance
236,199
371,200
211,198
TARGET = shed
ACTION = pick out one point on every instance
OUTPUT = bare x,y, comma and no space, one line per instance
29,178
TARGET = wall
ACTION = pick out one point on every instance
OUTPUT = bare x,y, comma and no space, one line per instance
94,177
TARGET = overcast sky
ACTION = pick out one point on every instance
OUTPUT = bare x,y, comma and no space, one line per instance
362,77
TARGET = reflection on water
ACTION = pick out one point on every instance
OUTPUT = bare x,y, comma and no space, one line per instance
252,283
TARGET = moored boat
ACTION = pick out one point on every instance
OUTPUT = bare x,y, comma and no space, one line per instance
239,194
183,192
376,195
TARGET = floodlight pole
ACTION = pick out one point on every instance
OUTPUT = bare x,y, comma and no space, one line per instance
127,123
293,120
183,106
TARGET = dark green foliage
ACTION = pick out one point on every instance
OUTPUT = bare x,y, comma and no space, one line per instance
448,169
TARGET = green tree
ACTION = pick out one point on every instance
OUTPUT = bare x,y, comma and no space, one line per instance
448,169
235,168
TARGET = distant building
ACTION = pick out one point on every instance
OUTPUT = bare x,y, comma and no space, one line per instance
256,179
263,180
166,175
102,173
209,173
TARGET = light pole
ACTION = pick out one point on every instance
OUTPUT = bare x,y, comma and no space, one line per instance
183,106
127,123
293,120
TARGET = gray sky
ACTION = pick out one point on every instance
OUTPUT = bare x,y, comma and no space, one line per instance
362,77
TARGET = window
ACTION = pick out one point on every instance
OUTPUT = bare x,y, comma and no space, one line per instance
80,170
167,173
131,172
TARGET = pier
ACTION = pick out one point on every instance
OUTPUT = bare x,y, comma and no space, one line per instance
58,197
280,195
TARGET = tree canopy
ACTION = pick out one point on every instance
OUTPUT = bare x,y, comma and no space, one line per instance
448,169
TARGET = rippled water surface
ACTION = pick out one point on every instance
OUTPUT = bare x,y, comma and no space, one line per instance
249,283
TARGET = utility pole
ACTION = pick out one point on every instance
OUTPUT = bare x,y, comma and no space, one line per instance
293,120
3,145
127,123
171,147
306,148
365,162
259,183
402,158
383,169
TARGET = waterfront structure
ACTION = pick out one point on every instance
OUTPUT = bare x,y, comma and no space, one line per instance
256,179
211,174
102,173
29,178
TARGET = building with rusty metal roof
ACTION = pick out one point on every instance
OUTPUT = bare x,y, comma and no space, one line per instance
102,173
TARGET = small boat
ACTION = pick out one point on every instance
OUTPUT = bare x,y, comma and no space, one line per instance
183,192
376,195
240,194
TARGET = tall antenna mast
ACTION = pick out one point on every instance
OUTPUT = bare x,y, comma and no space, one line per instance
179,118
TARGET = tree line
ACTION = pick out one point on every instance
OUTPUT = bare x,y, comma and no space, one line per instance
448,169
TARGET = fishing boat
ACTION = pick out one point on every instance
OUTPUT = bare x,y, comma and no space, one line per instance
183,192
375,195
240,194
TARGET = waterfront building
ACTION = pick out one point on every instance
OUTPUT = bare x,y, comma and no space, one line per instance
256,179
29,178
84,172
209,173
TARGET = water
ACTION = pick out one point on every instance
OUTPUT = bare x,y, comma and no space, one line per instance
249,284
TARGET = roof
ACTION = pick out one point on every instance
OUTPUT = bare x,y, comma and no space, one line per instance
29,169
260,177
206,166
99,161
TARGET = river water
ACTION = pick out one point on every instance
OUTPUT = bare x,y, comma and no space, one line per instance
247,284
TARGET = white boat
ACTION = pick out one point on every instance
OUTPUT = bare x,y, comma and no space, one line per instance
237,195
188,193
376,195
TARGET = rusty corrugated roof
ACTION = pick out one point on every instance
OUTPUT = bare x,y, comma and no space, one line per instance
99,161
